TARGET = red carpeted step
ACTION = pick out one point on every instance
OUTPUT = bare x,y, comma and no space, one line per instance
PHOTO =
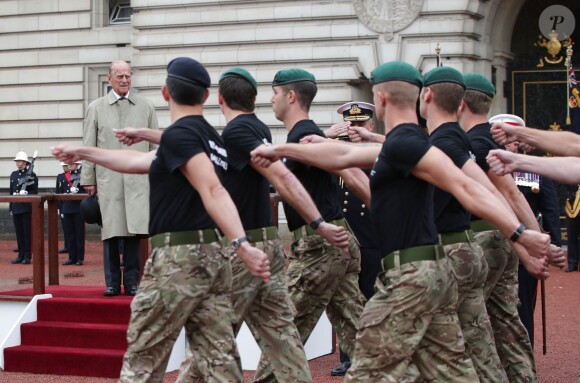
64,361
68,334
73,336
84,310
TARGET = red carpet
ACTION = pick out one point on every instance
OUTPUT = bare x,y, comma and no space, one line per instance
92,292
78,332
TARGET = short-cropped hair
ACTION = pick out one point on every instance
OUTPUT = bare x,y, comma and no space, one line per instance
185,93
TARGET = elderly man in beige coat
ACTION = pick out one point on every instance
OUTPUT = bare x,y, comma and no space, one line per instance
123,198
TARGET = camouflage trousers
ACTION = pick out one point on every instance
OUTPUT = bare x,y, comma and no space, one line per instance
183,286
322,277
501,294
267,310
470,269
410,325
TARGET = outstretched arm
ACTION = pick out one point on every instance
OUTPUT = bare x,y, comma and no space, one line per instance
558,143
123,161
436,168
329,155
560,169
200,173
293,192
361,134
513,201
130,136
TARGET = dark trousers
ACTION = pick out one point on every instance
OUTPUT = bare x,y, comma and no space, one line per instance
527,292
370,267
64,234
573,226
112,263
23,226
74,228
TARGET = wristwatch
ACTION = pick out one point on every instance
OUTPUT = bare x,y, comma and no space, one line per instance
314,224
236,243
519,231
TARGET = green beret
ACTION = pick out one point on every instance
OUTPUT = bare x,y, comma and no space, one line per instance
240,73
396,71
475,81
287,76
443,74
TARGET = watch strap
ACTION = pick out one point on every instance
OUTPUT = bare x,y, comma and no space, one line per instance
314,224
236,243
516,235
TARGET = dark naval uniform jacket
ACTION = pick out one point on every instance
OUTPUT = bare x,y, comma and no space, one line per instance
15,177
63,186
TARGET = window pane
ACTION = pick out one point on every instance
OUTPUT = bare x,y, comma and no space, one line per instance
120,12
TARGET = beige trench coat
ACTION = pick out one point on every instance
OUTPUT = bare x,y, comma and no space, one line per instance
124,198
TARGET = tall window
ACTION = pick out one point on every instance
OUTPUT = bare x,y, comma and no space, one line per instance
120,12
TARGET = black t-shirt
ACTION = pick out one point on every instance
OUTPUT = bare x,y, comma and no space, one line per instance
322,187
402,204
481,142
175,204
450,215
249,190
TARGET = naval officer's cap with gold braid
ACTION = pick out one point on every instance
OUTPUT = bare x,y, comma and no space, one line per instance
356,111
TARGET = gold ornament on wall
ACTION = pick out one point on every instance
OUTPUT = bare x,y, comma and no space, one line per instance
554,48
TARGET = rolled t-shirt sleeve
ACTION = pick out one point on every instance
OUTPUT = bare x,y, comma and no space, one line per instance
179,145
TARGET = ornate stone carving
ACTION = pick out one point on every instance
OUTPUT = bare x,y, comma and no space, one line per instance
387,15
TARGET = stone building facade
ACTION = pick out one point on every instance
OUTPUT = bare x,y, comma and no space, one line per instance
54,55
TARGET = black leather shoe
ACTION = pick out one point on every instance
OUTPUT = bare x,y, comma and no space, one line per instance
26,262
15,250
68,262
111,292
80,263
341,369
17,260
63,251
131,290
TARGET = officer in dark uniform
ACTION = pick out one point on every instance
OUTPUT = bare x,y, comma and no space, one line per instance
73,222
541,194
22,183
356,213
